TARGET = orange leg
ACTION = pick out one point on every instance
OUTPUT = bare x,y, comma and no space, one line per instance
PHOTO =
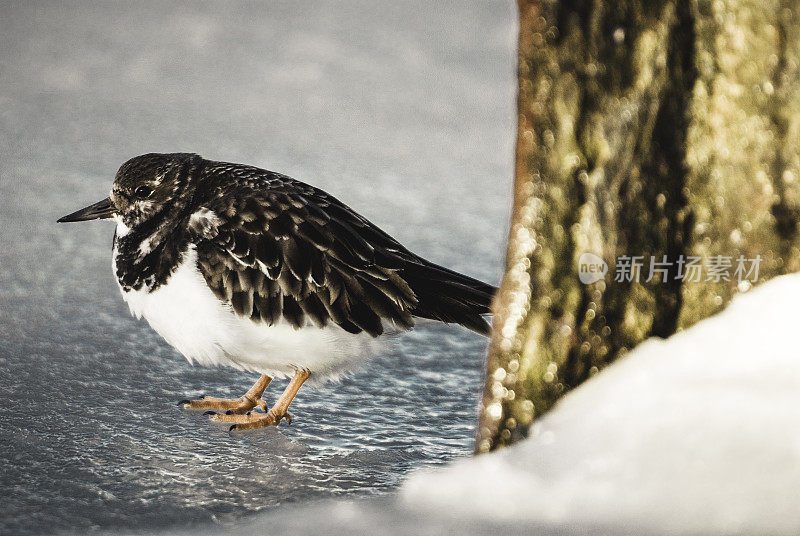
273,416
241,405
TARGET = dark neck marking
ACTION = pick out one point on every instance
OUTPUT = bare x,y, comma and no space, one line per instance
150,252
136,270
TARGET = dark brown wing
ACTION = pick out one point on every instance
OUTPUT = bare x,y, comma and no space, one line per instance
277,248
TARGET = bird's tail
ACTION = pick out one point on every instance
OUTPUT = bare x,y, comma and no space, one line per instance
449,296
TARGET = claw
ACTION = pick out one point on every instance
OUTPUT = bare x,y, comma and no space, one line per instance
243,413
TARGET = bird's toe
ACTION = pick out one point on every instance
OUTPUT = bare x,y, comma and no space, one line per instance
231,406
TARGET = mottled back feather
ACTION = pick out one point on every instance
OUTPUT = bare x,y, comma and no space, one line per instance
277,249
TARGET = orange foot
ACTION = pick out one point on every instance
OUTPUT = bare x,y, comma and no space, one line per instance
273,417
251,420
233,406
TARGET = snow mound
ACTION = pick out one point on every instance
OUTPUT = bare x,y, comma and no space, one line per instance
698,433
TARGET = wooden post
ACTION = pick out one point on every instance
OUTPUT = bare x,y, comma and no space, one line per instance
651,133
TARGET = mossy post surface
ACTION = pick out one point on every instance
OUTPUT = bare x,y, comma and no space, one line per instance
660,130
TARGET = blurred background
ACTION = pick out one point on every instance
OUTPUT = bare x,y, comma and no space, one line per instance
404,111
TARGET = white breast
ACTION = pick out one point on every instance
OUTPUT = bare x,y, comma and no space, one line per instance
206,330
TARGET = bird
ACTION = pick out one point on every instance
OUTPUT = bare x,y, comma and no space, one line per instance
239,266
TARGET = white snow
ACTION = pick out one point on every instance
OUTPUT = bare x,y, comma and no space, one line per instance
698,433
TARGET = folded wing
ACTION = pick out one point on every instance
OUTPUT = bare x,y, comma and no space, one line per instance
280,249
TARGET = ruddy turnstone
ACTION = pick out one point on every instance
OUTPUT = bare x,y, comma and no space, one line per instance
236,265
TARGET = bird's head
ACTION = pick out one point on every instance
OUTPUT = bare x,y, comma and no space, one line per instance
144,187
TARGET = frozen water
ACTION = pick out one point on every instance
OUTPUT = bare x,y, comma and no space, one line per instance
403,111
696,434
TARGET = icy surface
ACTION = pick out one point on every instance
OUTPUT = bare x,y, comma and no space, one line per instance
403,111
696,434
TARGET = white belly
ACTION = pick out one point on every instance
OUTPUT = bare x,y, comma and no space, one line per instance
205,330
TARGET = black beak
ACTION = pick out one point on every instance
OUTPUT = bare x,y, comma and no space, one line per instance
100,210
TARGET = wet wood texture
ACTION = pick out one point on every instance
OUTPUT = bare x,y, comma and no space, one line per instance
666,130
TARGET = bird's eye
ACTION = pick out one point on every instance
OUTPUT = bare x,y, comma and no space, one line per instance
143,192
